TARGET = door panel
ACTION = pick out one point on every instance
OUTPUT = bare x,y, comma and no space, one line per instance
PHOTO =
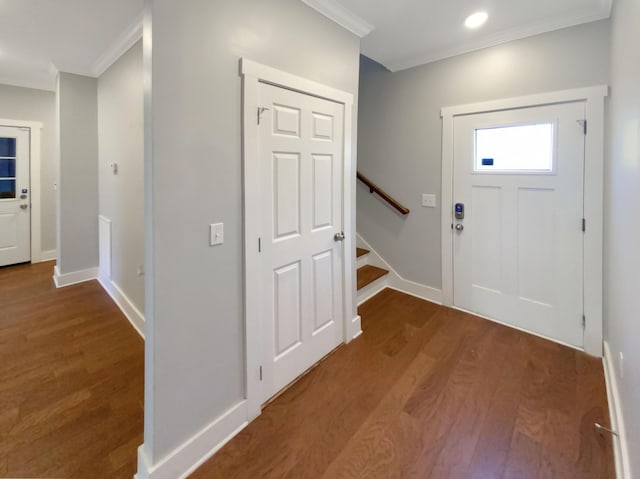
287,308
15,207
518,251
301,151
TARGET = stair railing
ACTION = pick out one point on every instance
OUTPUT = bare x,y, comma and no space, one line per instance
373,188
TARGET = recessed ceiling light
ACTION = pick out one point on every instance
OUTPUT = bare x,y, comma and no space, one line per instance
475,20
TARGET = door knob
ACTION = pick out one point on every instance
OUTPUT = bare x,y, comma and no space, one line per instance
338,236
24,207
459,227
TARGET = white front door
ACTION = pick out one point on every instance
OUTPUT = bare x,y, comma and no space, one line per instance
518,250
301,154
15,209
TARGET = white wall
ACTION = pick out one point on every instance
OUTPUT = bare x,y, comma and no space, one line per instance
27,104
194,303
77,124
622,217
121,195
400,130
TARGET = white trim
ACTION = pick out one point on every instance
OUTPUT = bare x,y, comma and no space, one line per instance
74,277
196,450
104,247
342,16
549,98
35,185
593,194
620,449
356,327
273,76
499,38
397,282
133,314
252,74
149,248
48,255
119,47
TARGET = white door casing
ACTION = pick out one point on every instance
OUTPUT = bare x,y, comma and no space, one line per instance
254,75
593,97
518,258
301,148
15,196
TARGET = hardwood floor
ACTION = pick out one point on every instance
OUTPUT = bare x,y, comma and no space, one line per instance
71,379
428,392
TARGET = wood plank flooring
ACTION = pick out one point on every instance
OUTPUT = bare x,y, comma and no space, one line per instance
428,392
71,379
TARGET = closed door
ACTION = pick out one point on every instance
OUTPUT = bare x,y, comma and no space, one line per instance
518,220
301,155
15,209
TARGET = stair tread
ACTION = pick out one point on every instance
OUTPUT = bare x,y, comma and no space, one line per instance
368,274
361,252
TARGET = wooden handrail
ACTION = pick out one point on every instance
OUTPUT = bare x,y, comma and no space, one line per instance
373,188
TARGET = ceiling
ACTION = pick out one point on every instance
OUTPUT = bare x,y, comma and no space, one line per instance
38,38
402,34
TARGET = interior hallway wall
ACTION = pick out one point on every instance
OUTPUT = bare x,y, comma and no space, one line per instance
121,194
27,104
194,305
622,218
400,129
77,124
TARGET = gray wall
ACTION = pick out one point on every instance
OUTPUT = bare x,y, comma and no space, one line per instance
400,130
194,304
77,109
121,195
622,216
27,104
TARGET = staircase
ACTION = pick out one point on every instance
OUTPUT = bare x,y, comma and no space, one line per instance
370,279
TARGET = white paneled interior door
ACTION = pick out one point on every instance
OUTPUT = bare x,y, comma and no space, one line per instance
15,203
518,251
301,159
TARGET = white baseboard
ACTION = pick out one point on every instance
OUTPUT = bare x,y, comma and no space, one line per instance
621,452
195,451
48,255
67,279
356,322
133,314
397,282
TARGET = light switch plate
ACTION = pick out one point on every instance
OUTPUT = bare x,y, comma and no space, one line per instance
216,234
429,201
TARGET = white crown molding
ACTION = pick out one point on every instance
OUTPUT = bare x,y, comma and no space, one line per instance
125,40
497,39
342,16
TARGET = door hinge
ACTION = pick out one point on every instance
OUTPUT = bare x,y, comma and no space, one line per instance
584,321
583,123
261,110
260,373
259,245
584,225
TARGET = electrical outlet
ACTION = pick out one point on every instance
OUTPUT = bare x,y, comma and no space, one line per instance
429,201
621,364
